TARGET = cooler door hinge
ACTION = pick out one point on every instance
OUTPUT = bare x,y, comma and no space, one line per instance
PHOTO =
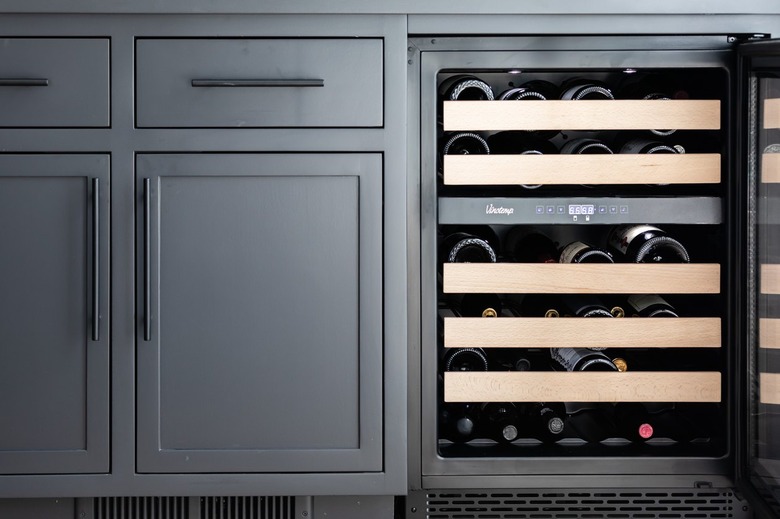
743,38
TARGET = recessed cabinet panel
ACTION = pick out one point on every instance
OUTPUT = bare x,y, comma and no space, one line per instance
264,285
54,82
259,83
54,314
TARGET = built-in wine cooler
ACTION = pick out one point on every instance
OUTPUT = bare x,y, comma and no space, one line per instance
591,237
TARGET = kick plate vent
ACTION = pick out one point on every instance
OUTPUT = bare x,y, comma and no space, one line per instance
276,507
578,505
142,508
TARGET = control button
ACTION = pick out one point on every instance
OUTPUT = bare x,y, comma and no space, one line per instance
602,209
550,209
561,209
623,209
613,209
539,209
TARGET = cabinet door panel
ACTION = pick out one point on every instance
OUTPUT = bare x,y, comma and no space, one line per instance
265,344
53,368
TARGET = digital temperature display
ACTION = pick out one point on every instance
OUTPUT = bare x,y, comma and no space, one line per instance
582,209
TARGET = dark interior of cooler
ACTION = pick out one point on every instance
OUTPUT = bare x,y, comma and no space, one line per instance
478,429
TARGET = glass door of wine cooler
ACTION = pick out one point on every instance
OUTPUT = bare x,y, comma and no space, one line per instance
762,384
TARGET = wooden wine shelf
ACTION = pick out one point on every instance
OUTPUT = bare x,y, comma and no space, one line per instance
624,114
771,113
582,386
769,333
770,279
629,332
654,168
579,278
770,168
768,387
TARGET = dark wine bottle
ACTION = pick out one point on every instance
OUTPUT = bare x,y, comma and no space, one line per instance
591,423
585,146
465,88
649,146
648,305
516,142
548,420
580,88
541,305
530,248
476,246
480,305
465,359
458,422
642,422
500,421
584,305
646,244
465,143
536,90
579,252
650,89
582,359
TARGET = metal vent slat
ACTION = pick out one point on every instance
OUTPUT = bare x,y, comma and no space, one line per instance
141,508
598,504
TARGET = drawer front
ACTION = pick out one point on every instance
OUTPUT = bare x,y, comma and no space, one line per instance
54,82
191,83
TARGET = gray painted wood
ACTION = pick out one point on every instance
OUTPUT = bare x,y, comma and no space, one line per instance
177,83
266,309
54,82
53,375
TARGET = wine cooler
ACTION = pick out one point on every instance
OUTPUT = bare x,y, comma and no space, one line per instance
600,264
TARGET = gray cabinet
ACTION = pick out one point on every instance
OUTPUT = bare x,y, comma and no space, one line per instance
54,381
260,304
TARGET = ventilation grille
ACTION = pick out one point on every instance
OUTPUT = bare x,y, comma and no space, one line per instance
141,508
577,505
277,507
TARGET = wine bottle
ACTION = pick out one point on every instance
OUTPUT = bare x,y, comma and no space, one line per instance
520,143
648,305
580,88
541,305
585,146
582,359
465,359
646,244
465,143
591,423
650,89
642,422
585,305
537,89
500,421
480,305
579,252
533,247
548,420
470,247
458,422
649,146
465,88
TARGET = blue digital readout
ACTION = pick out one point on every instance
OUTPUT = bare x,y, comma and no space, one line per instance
582,209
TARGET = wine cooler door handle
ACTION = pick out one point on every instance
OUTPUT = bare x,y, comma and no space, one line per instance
96,259
258,82
23,82
147,260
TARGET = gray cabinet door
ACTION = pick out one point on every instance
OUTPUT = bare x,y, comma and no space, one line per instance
260,313
54,339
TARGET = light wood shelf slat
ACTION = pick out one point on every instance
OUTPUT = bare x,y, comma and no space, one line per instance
770,279
582,169
623,114
582,386
769,388
629,332
579,278
771,113
770,168
769,333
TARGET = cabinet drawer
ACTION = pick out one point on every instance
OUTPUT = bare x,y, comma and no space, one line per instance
191,83
54,82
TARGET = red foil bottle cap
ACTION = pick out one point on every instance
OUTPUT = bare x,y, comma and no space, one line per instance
645,431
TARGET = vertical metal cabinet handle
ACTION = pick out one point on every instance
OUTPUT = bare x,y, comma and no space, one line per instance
258,82
147,260
23,82
95,259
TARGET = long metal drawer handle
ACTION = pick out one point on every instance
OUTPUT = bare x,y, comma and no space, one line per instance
24,82
147,261
96,259
258,82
